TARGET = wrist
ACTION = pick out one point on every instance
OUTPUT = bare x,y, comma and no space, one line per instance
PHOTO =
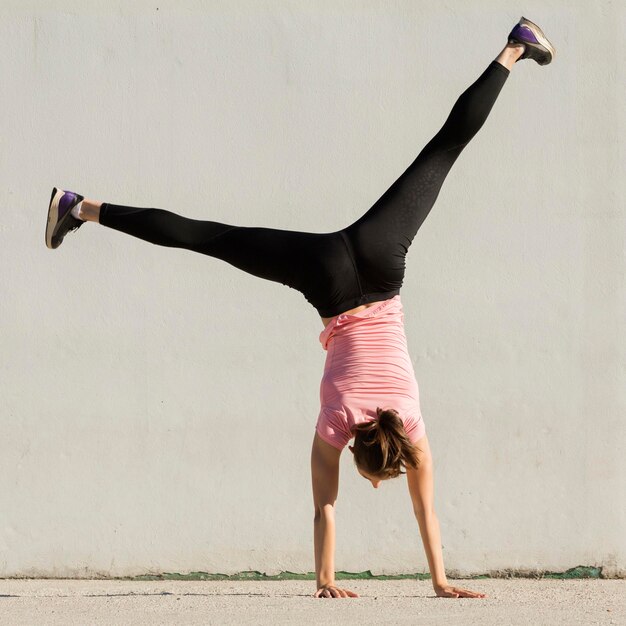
325,583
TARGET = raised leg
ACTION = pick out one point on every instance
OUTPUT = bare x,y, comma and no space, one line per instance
314,264
381,237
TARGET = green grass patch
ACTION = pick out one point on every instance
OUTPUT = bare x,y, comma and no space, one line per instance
581,571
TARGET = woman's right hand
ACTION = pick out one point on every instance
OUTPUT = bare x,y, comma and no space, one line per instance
332,591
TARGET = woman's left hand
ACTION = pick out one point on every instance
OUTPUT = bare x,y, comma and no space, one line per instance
448,591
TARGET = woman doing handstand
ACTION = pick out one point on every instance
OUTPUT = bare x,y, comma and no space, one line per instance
353,278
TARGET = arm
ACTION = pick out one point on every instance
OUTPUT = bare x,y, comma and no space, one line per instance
420,483
325,479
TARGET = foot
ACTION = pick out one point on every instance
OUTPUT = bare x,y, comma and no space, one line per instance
536,44
60,218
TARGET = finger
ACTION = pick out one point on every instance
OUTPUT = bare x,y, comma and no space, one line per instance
343,593
473,594
470,594
352,594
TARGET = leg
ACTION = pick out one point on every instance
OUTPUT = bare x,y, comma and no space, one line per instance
315,264
263,252
381,238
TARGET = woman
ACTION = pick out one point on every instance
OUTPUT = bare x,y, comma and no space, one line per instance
353,279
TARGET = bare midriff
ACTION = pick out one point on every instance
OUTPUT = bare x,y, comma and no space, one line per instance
327,320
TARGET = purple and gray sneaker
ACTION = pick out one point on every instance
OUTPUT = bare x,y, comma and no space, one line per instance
60,219
536,44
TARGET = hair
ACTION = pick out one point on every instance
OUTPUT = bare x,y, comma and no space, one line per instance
382,447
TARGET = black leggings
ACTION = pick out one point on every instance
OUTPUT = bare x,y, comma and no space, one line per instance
362,263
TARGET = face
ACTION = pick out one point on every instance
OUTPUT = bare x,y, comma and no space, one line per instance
375,481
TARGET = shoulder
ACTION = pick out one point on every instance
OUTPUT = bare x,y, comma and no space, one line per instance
414,426
332,427
324,450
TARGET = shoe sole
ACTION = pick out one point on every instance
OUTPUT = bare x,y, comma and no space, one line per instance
53,215
539,34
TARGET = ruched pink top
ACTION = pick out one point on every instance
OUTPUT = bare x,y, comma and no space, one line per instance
367,366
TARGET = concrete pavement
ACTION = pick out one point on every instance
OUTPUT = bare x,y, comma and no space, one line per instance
509,601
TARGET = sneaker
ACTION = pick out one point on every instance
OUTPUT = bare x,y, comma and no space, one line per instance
60,219
536,44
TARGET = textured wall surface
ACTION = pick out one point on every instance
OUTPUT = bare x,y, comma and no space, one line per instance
158,406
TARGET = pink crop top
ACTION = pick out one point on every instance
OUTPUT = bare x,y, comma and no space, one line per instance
367,366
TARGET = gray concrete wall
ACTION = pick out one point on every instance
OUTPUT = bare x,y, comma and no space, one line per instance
158,406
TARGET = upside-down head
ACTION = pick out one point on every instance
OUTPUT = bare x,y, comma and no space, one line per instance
382,448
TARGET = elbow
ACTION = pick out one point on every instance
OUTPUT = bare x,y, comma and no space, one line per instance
323,511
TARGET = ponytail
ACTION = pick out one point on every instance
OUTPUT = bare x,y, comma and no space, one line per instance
382,447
